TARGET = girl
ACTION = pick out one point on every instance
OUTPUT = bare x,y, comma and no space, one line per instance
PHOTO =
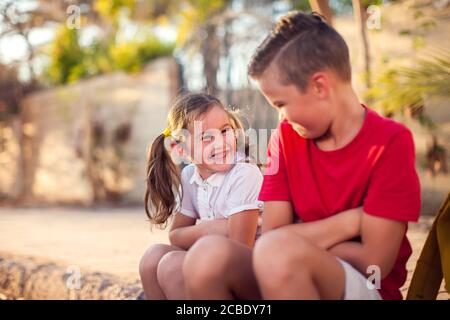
219,189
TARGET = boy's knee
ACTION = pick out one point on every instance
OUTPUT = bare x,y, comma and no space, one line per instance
207,260
151,257
279,255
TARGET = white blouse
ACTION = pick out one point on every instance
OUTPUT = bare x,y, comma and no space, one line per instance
222,194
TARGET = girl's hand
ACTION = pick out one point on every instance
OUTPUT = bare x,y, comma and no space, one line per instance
217,226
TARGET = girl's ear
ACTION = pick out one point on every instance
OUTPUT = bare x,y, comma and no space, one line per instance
177,149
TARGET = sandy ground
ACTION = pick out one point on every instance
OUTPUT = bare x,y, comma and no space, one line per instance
108,240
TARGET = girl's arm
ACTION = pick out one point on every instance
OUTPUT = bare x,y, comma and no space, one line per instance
276,214
242,226
184,232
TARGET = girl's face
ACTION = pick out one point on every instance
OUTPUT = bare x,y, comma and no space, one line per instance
213,142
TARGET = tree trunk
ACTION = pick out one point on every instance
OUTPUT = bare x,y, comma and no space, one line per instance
210,49
227,43
359,11
322,7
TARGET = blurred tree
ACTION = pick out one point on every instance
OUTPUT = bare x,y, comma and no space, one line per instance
69,61
66,57
11,91
400,88
198,29
19,19
360,15
322,7
131,56
301,5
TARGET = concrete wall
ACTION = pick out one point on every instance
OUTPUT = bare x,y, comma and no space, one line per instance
10,159
72,134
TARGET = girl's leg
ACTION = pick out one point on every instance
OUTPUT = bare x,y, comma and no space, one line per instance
170,275
148,270
288,266
216,267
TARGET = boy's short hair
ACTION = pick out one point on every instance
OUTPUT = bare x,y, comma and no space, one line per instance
301,44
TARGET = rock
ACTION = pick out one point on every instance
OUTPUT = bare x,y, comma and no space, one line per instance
28,278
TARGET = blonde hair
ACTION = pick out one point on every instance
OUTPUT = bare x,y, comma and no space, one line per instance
163,175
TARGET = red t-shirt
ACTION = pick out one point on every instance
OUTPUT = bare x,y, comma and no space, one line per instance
375,170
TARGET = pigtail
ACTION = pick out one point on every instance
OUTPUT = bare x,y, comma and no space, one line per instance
163,183
242,139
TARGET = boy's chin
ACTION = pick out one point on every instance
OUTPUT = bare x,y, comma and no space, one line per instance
303,133
307,134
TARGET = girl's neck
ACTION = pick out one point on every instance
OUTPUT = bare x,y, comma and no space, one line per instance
205,173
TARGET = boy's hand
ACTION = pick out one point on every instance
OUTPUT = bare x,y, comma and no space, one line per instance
353,221
328,232
381,239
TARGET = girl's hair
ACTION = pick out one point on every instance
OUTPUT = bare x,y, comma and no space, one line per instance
163,175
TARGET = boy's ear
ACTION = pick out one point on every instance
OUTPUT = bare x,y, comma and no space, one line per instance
320,84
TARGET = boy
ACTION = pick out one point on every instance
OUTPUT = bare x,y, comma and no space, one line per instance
347,173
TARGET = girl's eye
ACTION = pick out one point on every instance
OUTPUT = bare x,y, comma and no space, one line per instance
207,138
226,130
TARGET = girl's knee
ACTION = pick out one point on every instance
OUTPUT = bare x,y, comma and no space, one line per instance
170,266
207,259
151,257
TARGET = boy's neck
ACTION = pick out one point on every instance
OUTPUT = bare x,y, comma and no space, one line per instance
349,118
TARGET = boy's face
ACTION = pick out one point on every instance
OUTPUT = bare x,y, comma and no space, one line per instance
308,112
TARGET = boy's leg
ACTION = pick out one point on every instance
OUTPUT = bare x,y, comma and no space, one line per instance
216,267
148,268
287,266
170,275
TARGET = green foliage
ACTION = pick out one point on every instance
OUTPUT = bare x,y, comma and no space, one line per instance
66,57
131,56
194,15
110,9
70,62
401,87
301,5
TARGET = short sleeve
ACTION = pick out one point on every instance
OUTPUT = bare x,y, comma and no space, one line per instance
394,188
244,190
275,184
187,206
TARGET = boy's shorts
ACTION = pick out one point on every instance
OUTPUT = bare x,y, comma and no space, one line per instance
356,285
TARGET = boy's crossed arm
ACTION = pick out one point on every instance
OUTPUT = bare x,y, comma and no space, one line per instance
324,233
380,238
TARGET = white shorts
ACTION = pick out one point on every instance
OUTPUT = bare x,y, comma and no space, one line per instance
356,285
